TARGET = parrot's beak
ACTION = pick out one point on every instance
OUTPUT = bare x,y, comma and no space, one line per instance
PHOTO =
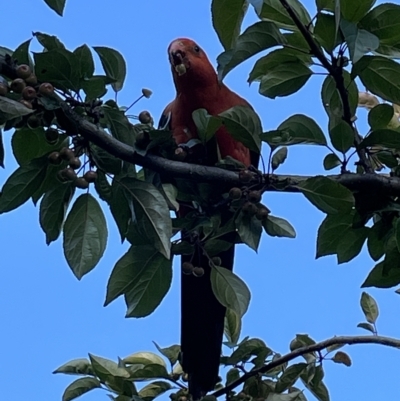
178,58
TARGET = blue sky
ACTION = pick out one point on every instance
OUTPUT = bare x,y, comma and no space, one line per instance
48,317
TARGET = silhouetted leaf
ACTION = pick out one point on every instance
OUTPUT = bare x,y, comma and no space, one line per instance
227,17
327,195
260,36
383,137
22,184
52,211
331,161
95,86
230,290
249,229
278,227
232,326
86,63
342,136
85,235
22,55
376,277
290,376
58,7
80,366
380,116
206,124
154,389
79,387
356,9
172,352
366,326
10,109
113,64
49,42
105,368
325,31
342,357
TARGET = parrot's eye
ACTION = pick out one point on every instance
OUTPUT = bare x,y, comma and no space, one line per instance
196,49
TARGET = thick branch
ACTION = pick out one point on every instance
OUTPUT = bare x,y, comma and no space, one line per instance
350,340
336,71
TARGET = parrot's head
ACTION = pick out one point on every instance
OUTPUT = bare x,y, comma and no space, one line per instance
189,62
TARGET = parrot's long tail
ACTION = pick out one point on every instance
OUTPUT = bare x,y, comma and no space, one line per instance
202,325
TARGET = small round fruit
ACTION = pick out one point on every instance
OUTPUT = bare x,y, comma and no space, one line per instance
75,163
67,153
23,71
90,176
33,121
18,85
81,183
262,213
198,272
26,103
69,174
61,176
235,193
51,135
145,117
173,396
46,89
3,89
187,268
254,196
29,93
249,209
245,176
216,260
54,158
180,154
31,80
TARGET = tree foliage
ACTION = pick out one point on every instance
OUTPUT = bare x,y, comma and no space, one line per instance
69,136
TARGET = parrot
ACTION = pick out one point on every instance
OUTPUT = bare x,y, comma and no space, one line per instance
202,315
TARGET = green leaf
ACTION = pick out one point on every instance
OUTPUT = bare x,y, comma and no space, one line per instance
278,227
21,54
85,59
28,144
79,366
342,357
380,76
252,346
359,41
119,125
331,232
232,375
58,7
172,352
319,390
380,116
10,109
376,240
273,60
244,125
105,161
331,161
382,137
290,376
285,79
232,326
85,235
49,42
206,124
105,368
230,290
53,208
79,387
150,372
327,195
95,87
144,358
214,246
295,130
58,66
342,136
384,22
279,157
331,99
366,326
273,10
325,31
356,9
154,389
113,64
351,243
22,184
103,187
227,18
377,278
260,36
150,213
369,308
249,230
144,276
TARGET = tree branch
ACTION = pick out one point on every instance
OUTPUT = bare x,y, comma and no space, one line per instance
350,340
336,71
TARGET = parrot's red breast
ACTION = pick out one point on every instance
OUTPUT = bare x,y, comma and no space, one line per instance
197,87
